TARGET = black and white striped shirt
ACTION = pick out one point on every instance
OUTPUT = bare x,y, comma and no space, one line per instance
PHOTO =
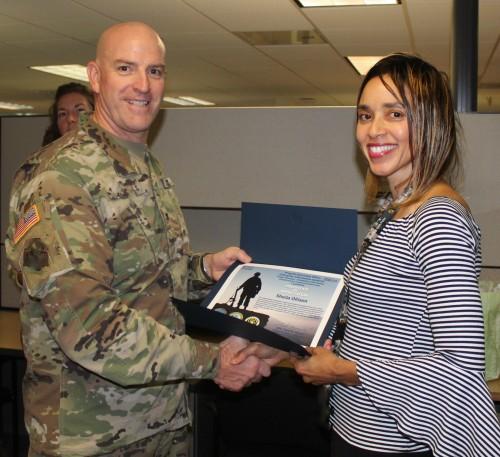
415,326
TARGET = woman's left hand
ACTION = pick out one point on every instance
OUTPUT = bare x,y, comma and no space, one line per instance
324,367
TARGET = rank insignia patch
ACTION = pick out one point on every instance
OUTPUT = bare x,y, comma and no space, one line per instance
30,218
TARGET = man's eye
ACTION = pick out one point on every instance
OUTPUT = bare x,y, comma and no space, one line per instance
123,68
158,72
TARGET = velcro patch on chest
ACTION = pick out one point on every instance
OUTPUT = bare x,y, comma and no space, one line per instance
29,219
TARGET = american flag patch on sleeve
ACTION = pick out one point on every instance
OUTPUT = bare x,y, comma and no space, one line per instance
30,218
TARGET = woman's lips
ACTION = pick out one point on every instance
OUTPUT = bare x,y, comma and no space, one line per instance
376,151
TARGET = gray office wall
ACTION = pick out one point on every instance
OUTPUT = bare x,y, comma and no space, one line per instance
303,156
219,157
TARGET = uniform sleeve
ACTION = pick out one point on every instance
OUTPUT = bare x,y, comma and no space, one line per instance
441,399
199,284
65,261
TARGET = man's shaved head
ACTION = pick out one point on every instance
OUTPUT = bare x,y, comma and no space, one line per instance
119,32
127,78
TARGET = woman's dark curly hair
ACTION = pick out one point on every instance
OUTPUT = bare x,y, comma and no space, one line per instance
52,133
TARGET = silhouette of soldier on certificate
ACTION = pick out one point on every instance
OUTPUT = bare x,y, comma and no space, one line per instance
251,288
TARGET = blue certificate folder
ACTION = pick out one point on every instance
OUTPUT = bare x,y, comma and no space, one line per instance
314,238
321,239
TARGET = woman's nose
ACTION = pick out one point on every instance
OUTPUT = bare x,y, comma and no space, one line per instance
377,127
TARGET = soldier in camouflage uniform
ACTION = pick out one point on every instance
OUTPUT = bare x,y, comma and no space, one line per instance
98,243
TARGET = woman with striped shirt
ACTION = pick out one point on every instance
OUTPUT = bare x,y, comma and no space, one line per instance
408,379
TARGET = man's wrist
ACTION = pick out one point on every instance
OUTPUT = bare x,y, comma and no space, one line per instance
204,267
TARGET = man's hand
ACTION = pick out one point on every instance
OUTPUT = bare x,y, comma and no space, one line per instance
265,353
217,263
236,377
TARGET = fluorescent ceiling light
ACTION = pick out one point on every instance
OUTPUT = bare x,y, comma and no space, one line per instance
198,101
78,72
362,64
187,101
318,3
13,106
281,37
178,101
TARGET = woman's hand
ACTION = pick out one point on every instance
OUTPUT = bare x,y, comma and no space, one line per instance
324,367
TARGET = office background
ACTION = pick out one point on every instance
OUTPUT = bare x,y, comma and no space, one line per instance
221,157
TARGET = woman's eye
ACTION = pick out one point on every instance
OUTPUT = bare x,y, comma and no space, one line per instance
61,114
397,115
363,116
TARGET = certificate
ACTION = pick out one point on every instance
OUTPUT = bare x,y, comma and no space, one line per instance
295,303
272,304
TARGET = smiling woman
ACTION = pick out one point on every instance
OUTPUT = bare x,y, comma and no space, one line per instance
407,366
413,310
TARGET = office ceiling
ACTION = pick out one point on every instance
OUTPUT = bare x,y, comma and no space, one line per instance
207,58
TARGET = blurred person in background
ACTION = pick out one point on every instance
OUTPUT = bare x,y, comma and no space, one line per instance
70,100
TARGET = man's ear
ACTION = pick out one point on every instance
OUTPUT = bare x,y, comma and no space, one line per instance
94,74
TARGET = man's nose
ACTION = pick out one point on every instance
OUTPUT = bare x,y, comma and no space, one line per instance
142,83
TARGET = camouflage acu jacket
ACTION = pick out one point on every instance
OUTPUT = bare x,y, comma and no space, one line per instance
99,244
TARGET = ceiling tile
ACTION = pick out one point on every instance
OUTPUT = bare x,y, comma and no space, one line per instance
38,12
20,31
205,59
363,30
255,15
320,65
489,20
430,21
492,74
196,40
172,16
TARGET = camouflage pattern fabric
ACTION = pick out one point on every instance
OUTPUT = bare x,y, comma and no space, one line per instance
107,357
163,444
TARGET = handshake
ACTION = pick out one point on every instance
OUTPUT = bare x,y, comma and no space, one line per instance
242,363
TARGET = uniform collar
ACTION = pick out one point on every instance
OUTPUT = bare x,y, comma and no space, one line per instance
118,149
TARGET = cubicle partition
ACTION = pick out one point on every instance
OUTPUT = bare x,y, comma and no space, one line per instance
221,157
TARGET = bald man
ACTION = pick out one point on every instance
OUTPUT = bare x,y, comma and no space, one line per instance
98,243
